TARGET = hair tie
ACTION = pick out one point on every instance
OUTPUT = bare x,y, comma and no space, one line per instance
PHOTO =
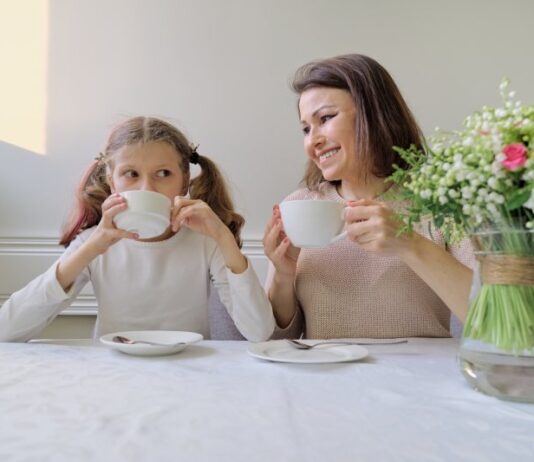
194,157
100,157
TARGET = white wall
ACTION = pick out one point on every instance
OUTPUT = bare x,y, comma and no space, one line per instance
220,71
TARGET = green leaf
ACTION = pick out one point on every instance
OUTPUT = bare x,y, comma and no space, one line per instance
518,198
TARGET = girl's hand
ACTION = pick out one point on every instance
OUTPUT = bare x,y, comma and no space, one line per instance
278,248
197,216
106,234
374,226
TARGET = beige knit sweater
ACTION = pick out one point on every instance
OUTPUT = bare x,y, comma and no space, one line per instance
344,291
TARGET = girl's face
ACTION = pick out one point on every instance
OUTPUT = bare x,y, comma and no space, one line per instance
152,166
327,117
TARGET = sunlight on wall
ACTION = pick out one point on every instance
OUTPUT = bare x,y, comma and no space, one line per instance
23,79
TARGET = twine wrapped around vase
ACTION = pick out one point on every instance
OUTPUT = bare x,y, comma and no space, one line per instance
506,269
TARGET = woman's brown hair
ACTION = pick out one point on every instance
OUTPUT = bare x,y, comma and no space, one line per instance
383,119
93,190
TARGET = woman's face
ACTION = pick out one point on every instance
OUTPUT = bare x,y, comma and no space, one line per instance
328,117
151,166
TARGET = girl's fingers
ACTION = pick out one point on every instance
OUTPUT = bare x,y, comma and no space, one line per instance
123,234
185,212
111,201
181,202
109,214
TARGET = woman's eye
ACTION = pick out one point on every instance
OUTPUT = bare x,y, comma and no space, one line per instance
305,130
327,117
163,173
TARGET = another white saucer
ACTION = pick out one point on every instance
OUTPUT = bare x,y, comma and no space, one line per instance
145,224
168,339
282,351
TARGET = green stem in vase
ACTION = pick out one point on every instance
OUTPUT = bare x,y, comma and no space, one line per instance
503,315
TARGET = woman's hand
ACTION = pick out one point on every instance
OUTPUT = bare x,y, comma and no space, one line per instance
375,227
278,248
106,233
199,217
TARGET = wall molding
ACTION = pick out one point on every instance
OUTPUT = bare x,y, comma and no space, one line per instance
49,246
49,249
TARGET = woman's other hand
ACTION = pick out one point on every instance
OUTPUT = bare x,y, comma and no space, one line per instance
278,248
375,227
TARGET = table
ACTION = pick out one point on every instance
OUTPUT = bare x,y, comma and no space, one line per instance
79,401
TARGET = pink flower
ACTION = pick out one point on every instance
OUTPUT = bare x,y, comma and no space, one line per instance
516,156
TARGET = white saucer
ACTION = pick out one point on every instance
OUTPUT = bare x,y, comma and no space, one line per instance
282,351
168,337
145,224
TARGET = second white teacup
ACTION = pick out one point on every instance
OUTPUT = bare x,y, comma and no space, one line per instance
148,213
313,223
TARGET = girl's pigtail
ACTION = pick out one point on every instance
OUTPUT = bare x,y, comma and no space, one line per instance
210,187
87,211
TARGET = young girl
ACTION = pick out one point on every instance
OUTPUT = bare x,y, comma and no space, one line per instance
161,283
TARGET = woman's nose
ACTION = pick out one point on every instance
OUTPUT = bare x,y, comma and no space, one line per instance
316,139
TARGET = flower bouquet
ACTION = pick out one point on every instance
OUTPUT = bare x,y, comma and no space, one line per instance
479,182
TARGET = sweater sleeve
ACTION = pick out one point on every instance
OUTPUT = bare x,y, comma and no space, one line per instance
244,299
29,310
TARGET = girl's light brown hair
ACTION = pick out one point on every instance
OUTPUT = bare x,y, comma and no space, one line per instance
383,119
93,190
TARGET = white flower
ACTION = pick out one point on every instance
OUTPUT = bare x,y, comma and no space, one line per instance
426,194
500,112
467,192
467,141
500,157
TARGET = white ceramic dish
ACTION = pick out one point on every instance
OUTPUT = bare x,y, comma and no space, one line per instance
281,351
168,338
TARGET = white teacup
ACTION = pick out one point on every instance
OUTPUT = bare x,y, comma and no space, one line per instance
148,213
313,223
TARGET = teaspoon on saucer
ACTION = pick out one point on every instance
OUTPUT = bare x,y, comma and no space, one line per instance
127,341
305,346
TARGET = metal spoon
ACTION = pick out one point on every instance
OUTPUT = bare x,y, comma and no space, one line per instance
305,346
127,341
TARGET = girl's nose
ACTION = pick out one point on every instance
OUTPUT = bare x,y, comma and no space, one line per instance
147,184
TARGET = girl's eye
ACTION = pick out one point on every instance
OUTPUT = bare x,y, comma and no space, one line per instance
163,173
130,174
305,130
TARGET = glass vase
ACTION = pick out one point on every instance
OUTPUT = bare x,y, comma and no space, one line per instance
497,347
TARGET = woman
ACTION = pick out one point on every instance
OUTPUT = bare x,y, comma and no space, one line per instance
375,283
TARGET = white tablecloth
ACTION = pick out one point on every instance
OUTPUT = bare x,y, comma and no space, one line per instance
213,402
